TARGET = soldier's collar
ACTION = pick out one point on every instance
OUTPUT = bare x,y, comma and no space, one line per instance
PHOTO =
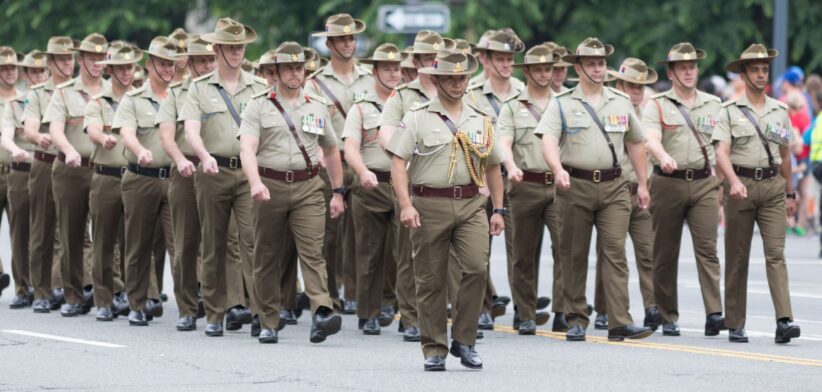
524,95
216,79
607,94
302,100
359,71
699,99
770,104
487,88
467,111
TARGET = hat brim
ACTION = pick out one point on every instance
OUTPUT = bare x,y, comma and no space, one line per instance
736,65
250,36
374,61
164,57
74,43
700,55
486,50
473,65
137,58
570,59
653,77
553,62
359,27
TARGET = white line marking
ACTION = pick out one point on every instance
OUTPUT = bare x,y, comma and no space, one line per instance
758,334
63,339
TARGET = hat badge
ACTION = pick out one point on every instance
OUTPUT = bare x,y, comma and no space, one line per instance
210,47
312,64
760,54
98,48
641,76
506,46
437,46
391,55
294,57
458,68
8,58
541,59
37,62
686,56
346,29
128,56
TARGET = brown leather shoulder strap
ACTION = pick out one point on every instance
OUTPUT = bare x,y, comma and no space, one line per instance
331,96
287,118
762,138
593,114
693,130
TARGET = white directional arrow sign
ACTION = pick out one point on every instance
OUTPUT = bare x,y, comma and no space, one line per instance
409,19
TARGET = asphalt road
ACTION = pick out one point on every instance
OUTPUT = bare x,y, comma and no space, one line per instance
47,352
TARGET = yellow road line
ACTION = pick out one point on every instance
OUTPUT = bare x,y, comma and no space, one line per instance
682,348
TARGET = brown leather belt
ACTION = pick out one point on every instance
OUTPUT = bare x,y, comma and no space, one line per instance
594,175
21,166
757,174
44,156
112,171
685,174
154,172
193,158
634,188
538,178
456,193
231,163
289,175
84,162
382,176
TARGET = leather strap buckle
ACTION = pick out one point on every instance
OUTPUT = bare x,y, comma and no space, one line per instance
162,174
758,174
689,174
232,162
597,176
289,176
457,193
123,170
549,178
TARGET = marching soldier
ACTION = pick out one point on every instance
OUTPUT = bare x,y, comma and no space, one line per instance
409,71
496,53
402,100
105,197
13,177
452,152
341,82
560,68
372,200
631,78
752,154
44,250
532,190
211,113
583,147
144,185
73,170
180,38
182,201
281,164
679,124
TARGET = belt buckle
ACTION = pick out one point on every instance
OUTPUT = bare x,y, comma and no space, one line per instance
232,163
123,170
597,176
549,178
289,176
689,174
457,193
162,173
758,174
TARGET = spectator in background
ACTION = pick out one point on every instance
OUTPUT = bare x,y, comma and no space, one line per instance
801,121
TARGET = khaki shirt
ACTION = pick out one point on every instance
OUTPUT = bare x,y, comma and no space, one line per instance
661,115
68,106
205,104
747,149
138,110
37,100
363,125
425,141
628,167
169,112
100,111
347,94
517,122
401,101
12,117
581,143
481,78
277,147
481,94
5,155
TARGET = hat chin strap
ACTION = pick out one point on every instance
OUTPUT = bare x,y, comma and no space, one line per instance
227,62
193,68
494,66
86,68
114,75
441,89
57,67
589,76
334,47
748,82
379,79
540,85
154,65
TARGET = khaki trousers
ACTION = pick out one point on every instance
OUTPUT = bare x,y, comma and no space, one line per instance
606,206
373,216
18,207
108,236
463,225
765,206
186,227
406,283
298,207
71,188
674,202
44,245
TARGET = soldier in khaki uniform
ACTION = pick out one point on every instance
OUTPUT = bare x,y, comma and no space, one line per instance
752,154
13,191
532,187
452,152
44,250
71,175
341,82
181,195
679,123
106,202
211,113
281,164
180,38
583,147
372,200
632,78
145,185
403,98
560,68
407,67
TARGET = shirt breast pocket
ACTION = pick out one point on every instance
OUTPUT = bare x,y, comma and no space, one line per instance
575,129
777,133
145,123
434,141
743,132
213,106
671,121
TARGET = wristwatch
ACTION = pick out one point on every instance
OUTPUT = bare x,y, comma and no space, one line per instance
791,195
502,211
341,190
